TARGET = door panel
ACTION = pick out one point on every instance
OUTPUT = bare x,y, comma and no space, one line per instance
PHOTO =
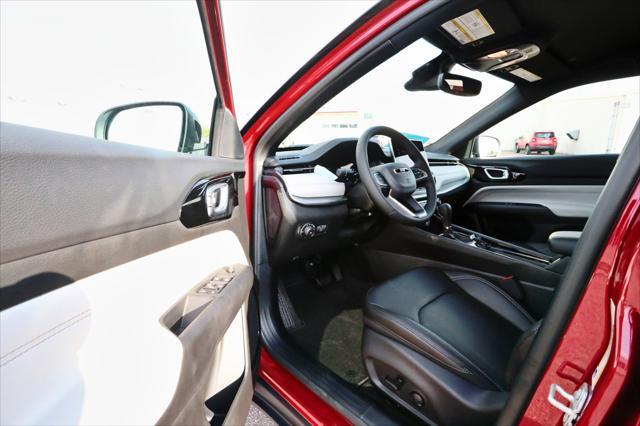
539,195
69,189
593,169
124,271
102,320
104,336
575,201
521,223
66,197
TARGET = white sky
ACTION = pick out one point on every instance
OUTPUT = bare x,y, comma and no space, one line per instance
63,63
268,41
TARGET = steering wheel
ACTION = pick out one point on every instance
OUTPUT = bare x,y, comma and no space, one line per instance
391,185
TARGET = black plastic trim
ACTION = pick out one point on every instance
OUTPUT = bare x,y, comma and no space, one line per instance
589,169
194,208
275,406
220,402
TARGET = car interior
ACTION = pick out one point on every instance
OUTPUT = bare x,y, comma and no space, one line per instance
410,282
400,277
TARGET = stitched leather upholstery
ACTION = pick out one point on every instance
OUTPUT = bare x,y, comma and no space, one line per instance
458,320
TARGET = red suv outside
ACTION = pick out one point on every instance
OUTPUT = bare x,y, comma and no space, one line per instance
539,142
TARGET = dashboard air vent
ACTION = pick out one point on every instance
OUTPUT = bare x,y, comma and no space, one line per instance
297,170
443,163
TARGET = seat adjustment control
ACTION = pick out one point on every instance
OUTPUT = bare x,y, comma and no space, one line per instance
416,399
395,384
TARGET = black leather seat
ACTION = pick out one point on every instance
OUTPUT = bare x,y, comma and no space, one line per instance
445,344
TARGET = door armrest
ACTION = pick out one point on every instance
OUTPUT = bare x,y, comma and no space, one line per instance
564,242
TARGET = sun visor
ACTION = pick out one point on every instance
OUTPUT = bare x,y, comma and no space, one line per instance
544,66
493,27
475,31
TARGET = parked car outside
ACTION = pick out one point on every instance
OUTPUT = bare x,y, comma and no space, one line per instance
538,142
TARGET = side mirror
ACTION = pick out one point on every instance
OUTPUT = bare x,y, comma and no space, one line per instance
459,85
487,147
164,125
574,135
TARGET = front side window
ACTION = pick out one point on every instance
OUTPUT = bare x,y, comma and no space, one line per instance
591,119
63,64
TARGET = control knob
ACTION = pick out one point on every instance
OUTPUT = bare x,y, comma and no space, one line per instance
308,230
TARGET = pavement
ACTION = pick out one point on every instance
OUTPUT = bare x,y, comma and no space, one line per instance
507,154
258,417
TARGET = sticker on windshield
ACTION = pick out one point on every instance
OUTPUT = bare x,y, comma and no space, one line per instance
468,27
527,75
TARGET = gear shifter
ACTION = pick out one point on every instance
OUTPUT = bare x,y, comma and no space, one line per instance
445,212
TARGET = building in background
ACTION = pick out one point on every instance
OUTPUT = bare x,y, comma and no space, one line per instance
604,115
326,125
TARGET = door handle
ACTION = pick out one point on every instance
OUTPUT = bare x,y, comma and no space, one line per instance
497,173
217,200
210,199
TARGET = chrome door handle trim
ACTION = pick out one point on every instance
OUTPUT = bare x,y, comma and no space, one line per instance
217,199
503,176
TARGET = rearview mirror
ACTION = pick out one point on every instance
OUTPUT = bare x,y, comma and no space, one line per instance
164,125
574,135
434,75
459,85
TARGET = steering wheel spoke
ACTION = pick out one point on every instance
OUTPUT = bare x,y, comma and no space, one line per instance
409,205
420,175
380,180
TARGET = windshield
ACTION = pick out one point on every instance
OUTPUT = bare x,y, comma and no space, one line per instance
379,98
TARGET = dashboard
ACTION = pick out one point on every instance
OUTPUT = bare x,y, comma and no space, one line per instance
313,201
316,171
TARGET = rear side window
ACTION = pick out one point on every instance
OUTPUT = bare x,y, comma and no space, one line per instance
544,134
63,64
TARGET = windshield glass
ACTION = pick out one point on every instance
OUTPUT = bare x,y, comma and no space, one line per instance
379,98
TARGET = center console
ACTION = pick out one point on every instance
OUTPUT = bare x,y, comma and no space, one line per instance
488,243
494,245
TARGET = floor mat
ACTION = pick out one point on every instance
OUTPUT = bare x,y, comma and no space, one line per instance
327,325
332,321
290,318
